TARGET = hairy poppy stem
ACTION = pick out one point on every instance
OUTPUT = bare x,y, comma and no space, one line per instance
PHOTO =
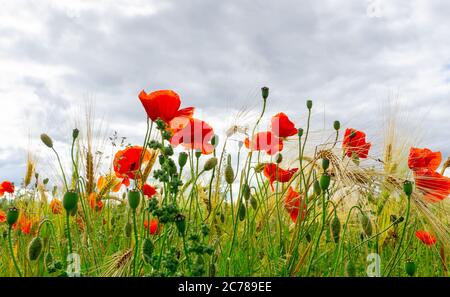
12,252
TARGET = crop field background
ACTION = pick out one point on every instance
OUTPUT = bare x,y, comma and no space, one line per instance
166,138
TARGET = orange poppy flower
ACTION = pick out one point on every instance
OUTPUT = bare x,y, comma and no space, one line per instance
149,191
292,203
355,143
194,134
7,187
164,104
94,203
283,127
434,186
427,238
2,216
126,162
273,173
424,159
265,141
56,206
154,226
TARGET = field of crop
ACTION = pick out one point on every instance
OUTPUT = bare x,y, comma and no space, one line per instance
180,204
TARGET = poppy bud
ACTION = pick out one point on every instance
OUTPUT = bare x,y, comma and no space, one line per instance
325,164
246,191
300,132
45,181
229,174
147,250
75,133
35,248
325,181
70,200
279,158
47,140
335,227
317,189
265,92
215,140
408,188
180,222
242,211
134,197
12,216
337,125
410,267
366,225
309,104
210,164
254,203
198,153
350,269
259,168
128,229
182,159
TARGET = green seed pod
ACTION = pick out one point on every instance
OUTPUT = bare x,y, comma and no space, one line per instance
210,164
350,269
254,203
229,174
265,92
260,167
410,267
309,104
325,164
279,158
180,222
335,228
128,229
300,132
366,225
75,133
134,198
198,153
246,191
325,180
47,140
408,188
70,200
74,211
215,140
182,159
147,250
12,216
317,189
242,212
337,125
35,248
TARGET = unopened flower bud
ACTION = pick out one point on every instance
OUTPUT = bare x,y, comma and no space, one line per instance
337,125
35,248
215,140
309,104
70,201
300,132
265,92
229,174
408,188
75,133
12,216
134,198
279,158
325,164
325,181
182,159
210,164
47,140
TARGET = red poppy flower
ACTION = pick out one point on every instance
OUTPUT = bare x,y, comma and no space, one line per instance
426,237
154,226
292,203
164,104
434,186
277,174
355,143
149,191
7,187
126,162
192,133
265,141
283,127
2,216
424,159
24,224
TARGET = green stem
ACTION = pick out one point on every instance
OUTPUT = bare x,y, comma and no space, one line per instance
12,252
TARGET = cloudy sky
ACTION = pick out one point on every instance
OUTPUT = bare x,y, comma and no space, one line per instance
350,57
